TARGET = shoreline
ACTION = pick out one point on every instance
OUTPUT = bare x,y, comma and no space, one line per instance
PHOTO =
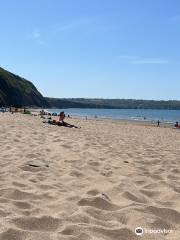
134,121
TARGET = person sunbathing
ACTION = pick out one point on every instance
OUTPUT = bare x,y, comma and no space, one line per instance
61,121
176,125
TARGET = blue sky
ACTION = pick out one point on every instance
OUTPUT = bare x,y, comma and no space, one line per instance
94,48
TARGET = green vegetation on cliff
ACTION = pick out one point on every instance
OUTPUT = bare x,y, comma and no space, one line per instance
112,103
17,91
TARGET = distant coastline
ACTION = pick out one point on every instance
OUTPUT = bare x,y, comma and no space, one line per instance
113,103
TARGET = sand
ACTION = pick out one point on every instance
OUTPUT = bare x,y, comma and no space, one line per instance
99,182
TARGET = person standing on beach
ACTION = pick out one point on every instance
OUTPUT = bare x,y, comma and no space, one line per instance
158,123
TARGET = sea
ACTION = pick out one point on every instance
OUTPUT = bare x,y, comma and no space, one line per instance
166,116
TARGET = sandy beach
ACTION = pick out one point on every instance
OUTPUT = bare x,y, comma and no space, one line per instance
99,182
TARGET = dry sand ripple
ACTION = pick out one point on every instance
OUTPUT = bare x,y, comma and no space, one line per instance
99,182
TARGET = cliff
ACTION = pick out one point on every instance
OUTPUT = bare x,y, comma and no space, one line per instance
19,92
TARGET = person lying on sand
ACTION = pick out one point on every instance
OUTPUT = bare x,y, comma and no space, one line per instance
176,125
61,121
